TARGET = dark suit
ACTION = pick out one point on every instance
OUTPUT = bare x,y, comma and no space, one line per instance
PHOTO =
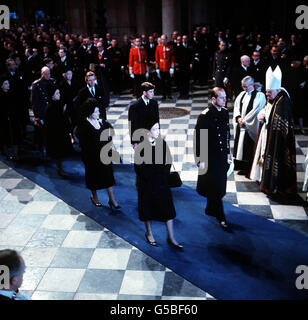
237,76
19,88
183,59
62,67
85,94
139,115
258,72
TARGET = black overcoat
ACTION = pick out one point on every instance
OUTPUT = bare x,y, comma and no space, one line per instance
10,119
212,184
97,174
155,200
57,126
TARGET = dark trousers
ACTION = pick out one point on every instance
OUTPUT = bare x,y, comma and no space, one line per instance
184,77
214,208
39,137
165,84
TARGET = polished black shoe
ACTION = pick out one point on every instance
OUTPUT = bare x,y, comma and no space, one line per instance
112,206
224,225
97,204
152,243
173,245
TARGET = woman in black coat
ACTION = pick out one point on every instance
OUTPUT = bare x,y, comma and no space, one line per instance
58,133
10,121
155,202
98,165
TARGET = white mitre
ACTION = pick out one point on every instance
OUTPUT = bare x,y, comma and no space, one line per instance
273,78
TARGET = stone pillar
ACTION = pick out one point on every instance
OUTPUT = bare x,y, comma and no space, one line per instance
141,18
168,17
76,16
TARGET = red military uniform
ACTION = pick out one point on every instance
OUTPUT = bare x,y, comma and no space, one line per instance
164,58
137,60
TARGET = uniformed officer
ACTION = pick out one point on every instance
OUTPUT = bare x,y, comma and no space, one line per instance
164,57
213,162
116,66
222,65
40,98
138,69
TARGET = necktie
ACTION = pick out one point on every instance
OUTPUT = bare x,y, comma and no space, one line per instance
92,91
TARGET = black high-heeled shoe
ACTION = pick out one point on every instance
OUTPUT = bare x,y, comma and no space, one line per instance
152,243
97,204
111,205
173,245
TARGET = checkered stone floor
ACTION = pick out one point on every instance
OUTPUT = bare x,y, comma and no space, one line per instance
69,256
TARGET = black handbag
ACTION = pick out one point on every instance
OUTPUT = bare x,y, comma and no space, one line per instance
174,179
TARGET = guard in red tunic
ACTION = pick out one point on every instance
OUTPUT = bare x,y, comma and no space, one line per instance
138,69
164,56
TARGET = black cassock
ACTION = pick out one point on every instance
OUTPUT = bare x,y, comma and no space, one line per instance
155,200
97,174
57,126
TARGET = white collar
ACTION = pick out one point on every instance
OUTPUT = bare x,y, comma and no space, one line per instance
146,100
90,88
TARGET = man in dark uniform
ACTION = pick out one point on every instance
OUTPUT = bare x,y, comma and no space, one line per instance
116,66
213,162
91,90
142,110
40,99
222,65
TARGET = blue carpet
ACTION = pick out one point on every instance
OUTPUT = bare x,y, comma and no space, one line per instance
257,260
